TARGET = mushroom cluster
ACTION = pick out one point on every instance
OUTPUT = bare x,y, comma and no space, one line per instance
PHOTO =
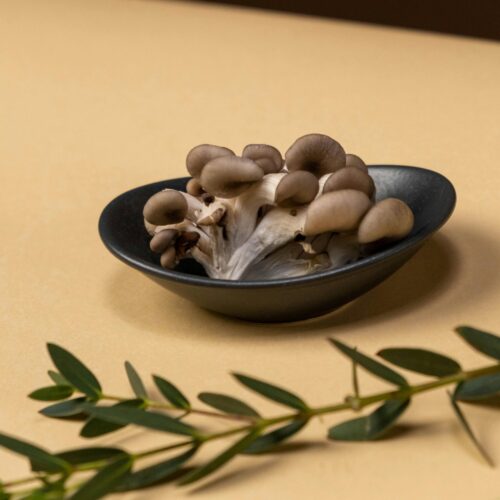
259,216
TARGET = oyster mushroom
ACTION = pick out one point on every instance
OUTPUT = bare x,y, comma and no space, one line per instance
252,217
388,219
317,153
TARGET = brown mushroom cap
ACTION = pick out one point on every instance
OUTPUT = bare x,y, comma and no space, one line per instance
200,155
350,178
162,240
390,218
337,211
168,258
317,153
296,188
166,207
229,176
193,187
355,161
267,157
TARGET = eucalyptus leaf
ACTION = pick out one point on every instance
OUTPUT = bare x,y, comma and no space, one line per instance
484,342
70,408
75,371
269,441
135,381
478,388
42,459
79,456
221,459
272,392
421,361
371,365
372,426
95,427
52,393
57,378
171,393
227,404
136,416
156,473
468,430
105,480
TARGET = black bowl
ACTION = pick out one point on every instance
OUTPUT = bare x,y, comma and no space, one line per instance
430,195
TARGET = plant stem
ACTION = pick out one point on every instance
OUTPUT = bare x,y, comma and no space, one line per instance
351,403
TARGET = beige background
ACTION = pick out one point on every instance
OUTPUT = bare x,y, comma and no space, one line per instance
99,96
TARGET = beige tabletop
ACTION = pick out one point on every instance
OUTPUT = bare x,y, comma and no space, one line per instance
99,96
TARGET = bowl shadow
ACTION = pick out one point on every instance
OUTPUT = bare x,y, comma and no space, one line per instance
435,269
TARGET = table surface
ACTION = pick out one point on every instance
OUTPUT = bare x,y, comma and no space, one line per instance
99,96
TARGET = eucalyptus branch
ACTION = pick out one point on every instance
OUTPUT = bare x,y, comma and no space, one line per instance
116,470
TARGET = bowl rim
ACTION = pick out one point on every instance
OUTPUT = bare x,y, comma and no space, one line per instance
352,268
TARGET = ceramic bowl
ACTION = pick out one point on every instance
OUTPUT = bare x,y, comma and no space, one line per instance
430,195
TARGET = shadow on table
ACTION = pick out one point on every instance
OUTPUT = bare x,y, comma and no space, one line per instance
431,275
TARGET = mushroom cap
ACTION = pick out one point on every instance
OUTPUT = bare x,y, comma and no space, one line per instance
168,258
193,187
337,211
350,178
267,157
229,176
296,188
317,153
200,155
162,240
166,207
355,161
390,218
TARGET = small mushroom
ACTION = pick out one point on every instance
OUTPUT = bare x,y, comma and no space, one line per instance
350,178
337,211
296,188
390,218
267,157
193,187
317,153
168,258
162,240
230,176
166,207
200,155
355,161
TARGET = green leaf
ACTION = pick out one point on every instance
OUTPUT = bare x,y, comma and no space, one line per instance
70,408
268,441
84,455
156,473
105,480
75,371
171,393
272,392
57,378
227,404
467,428
421,361
135,381
370,364
478,388
44,460
52,393
372,426
149,419
484,342
95,427
221,459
